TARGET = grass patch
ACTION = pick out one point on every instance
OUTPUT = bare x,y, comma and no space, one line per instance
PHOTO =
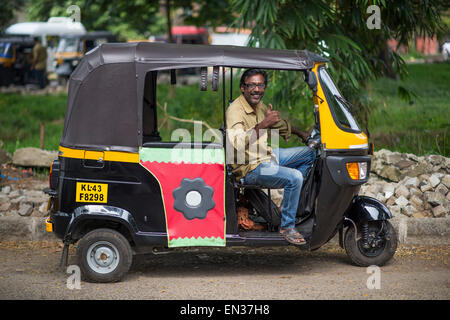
21,117
421,125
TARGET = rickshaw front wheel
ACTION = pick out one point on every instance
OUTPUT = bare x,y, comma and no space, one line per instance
379,248
104,255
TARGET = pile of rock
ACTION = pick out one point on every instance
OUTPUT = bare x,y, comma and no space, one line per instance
15,201
410,185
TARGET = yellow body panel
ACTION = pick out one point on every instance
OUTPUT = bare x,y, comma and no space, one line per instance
97,155
332,136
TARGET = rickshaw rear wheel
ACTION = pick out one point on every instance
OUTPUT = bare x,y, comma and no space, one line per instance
382,244
104,255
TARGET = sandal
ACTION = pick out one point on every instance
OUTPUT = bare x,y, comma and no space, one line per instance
293,236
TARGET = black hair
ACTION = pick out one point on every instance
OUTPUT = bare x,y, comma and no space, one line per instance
252,72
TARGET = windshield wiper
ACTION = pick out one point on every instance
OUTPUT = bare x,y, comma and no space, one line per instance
348,104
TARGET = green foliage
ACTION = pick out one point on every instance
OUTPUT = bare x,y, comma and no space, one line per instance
338,30
210,13
127,19
7,12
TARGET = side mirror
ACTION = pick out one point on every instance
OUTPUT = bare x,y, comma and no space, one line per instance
311,80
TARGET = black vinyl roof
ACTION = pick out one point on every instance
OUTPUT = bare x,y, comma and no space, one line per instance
161,56
106,90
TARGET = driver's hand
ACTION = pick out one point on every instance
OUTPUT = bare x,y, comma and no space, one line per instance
271,117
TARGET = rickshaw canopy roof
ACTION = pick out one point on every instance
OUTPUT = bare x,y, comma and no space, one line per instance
106,90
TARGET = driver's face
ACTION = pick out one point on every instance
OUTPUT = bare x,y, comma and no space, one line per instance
253,89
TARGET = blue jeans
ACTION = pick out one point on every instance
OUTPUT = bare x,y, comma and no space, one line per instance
293,166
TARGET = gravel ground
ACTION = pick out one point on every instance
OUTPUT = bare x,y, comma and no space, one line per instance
29,270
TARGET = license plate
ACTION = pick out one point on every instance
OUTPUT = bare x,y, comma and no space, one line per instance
92,192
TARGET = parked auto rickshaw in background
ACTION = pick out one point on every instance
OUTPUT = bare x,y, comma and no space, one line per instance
117,189
15,60
49,32
72,48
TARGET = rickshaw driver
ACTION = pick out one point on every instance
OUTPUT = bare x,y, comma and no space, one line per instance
279,168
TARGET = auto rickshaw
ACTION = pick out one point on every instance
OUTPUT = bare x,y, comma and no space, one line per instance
72,48
15,60
118,190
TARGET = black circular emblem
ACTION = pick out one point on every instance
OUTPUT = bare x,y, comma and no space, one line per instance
193,198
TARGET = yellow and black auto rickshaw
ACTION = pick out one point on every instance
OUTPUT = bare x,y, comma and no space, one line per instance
117,189
72,48
15,60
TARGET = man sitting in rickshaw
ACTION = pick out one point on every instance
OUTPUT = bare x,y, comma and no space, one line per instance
247,120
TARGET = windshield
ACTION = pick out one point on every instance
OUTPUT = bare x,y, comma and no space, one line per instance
338,105
67,45
6,50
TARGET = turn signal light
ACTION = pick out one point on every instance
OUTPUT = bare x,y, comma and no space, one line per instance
357,170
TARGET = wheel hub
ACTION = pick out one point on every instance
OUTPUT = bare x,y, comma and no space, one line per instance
103,257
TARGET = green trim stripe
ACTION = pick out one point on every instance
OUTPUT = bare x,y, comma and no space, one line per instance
186,155
194,242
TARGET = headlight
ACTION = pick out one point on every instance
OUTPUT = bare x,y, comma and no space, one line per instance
357,170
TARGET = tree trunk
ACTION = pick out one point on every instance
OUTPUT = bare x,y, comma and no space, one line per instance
385,55
170,40
169,22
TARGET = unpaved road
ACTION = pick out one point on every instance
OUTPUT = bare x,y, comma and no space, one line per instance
29,270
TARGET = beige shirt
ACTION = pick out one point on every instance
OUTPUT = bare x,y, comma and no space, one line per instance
39,56
245,151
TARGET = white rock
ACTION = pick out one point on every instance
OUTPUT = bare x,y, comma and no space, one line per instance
3,198
413,191
25,210
5,206
426,187
434,180
6,189
412,182
401,201
402,191
43,207
18,199
435,198
34,157
388,194
416,202
446,180
442,189
395,210
409,210
380,197
439,211
15,193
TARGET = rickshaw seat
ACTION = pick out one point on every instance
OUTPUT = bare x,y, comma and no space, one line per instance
238,185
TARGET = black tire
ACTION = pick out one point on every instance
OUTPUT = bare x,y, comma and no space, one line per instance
104,255
373,256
